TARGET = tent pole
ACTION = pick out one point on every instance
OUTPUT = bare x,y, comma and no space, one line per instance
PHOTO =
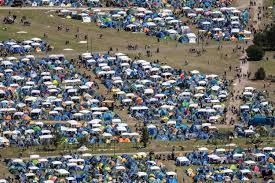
91,44
87,42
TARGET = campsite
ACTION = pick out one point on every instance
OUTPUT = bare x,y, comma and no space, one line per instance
137,91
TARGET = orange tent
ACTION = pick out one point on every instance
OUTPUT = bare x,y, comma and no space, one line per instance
127,140
233,38
139,100
270,160
53,178
8,118
37,49
26,118
146,30
12,88
124,140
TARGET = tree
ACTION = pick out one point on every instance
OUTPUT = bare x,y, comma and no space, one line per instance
255,53
266,39
83,140
57,140
260,74
259,39
145,137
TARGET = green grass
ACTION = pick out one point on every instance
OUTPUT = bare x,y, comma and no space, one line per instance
269,65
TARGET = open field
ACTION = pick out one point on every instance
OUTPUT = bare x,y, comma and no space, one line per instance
269,67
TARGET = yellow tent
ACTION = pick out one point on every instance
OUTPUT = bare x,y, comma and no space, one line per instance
55,82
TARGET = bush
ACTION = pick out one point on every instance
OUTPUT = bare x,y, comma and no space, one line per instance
260,74
255,53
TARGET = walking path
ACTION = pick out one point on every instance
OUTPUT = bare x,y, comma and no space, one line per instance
240,82
103,91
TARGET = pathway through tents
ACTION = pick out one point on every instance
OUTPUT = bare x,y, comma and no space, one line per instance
4,173
240,83
103,91
242,4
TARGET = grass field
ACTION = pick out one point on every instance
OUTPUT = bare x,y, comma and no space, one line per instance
269,67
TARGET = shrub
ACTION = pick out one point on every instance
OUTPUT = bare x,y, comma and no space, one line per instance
260,74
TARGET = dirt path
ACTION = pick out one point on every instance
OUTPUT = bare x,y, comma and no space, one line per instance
4,173
255,11
242,4
240,83
103,91
238,86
